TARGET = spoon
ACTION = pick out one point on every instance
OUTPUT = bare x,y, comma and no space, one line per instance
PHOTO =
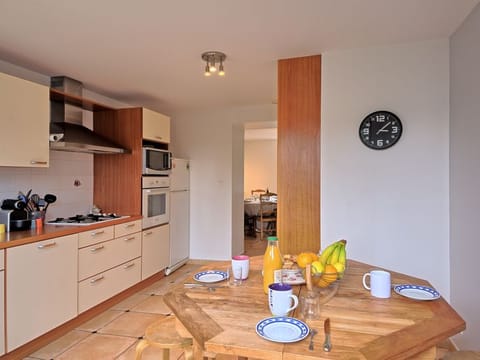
312,334
49,198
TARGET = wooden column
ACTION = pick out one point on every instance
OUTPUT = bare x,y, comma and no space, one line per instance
298,162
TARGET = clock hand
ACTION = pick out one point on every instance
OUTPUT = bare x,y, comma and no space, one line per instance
383,128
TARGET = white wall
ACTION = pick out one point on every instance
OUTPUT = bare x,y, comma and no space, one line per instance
464,177
213,140
391,205
260,170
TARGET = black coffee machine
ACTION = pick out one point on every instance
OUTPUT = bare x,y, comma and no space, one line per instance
14,215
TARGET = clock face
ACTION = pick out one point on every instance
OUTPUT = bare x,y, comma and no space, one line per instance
380,130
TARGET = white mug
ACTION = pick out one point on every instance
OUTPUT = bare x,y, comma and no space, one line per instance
280,298
240,267
380,283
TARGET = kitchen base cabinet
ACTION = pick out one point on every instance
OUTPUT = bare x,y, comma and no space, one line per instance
41,288
155,250
110,266
2,303
98,288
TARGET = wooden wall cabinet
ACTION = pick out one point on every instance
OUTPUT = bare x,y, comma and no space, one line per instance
155,250
25,114
41,291
156,126
118,178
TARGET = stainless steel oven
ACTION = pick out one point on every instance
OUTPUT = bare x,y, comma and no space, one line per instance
155,200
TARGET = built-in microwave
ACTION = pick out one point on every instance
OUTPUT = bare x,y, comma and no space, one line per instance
156,161
155,201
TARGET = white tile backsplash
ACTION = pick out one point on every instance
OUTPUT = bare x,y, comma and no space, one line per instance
58,179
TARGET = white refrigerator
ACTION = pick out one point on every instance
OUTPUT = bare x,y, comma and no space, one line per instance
179,214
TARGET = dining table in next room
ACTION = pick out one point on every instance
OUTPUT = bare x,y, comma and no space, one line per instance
224,321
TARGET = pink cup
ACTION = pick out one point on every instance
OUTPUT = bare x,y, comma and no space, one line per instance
240,266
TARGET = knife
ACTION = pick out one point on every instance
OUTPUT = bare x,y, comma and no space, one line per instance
327,345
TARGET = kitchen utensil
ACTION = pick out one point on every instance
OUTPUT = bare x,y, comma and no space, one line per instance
327,345
35,199
313,332
49,198
309,303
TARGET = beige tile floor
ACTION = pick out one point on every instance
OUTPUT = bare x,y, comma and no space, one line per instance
115,333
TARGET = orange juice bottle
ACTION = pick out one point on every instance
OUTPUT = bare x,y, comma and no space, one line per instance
272,260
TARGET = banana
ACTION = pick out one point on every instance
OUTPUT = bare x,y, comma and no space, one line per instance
333,259
342,258
327,252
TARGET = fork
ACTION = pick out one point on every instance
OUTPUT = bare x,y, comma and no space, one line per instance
312,334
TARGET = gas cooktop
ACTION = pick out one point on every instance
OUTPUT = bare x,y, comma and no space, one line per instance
79,220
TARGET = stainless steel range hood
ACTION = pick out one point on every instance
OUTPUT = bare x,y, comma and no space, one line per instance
67,131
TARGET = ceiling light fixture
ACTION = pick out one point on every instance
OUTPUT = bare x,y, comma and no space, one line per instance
212,58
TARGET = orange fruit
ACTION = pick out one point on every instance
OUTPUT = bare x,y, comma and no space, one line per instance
330,273
303,259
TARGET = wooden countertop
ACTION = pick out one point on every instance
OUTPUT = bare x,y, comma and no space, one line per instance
16,238
363,327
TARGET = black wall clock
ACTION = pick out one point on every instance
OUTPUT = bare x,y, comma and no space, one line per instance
380,130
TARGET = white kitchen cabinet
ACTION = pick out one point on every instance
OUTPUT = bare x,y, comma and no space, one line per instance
128,228
41,291
25,114
98,288
155,250
156,126
91,237
108,267
2,303
108,254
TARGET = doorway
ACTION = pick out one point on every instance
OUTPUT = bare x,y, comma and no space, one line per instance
260,172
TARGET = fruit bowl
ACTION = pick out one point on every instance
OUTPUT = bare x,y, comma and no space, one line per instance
326,284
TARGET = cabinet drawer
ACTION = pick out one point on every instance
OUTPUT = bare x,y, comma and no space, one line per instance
101,287
95,236
108,254
128,228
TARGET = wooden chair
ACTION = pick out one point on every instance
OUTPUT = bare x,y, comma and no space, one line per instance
267,216
163,334
258,192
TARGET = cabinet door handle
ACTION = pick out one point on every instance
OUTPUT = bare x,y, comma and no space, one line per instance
130,238
93,281
148,233
95,233
97,248
129,225
129,265
44,246
158,137
36,162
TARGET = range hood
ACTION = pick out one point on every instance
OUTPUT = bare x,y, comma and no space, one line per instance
67,131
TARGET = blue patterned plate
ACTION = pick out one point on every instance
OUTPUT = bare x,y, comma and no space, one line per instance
417,292
282,329
211,276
